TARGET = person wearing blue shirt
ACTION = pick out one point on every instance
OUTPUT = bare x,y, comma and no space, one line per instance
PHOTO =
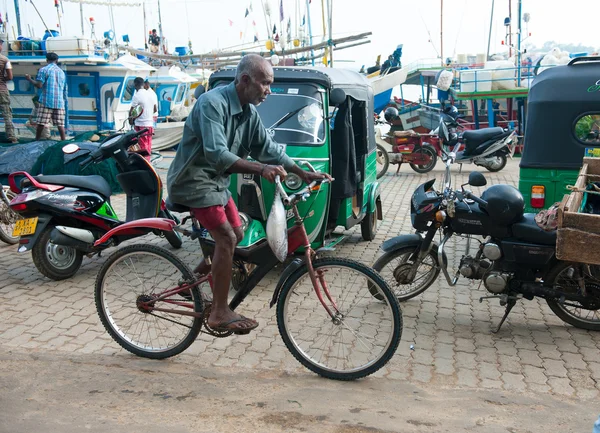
53,83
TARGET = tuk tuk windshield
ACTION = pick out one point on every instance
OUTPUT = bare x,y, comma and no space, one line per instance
293,114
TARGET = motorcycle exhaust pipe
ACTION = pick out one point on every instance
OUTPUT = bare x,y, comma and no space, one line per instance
81,240
538,289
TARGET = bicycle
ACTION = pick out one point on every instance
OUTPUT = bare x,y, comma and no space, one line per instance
8,217
150,302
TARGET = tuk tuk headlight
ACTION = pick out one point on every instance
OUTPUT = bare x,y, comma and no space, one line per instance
245,221
293,181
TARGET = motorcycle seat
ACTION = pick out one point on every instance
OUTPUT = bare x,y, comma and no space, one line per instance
176,207
474,138
527,230
94,183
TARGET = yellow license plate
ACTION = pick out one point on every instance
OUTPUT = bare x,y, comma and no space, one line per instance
25,227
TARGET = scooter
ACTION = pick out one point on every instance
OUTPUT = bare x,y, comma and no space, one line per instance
63,215
487,147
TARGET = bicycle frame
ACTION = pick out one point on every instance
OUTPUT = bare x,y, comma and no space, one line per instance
265,261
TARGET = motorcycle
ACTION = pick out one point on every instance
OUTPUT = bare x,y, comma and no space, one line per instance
417,150
515,259
487,147
8,218
63,215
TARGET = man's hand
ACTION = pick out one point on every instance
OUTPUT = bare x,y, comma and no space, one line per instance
270,171
309,176
28,77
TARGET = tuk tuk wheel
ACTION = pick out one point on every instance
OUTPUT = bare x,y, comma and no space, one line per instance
368,226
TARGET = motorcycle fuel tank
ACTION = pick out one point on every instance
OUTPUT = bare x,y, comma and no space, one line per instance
470,219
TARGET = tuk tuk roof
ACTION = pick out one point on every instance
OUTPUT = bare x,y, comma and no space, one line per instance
557,98
353,83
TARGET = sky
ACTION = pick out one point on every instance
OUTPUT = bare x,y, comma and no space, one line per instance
217,24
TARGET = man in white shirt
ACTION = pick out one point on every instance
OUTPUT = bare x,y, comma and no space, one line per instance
153,93
146,120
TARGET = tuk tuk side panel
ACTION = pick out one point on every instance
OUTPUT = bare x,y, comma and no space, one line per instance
554,181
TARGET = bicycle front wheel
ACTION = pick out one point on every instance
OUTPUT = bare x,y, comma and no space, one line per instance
363,333
126,289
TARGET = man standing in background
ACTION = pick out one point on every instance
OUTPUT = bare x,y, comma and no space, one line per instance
53,82
153,94
145,99
6,75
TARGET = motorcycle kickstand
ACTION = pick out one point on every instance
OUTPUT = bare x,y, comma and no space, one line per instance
510,303
398,169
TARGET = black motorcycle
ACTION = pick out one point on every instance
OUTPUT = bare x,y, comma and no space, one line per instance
513,256
64,217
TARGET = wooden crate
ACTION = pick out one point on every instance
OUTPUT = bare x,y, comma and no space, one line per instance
578,237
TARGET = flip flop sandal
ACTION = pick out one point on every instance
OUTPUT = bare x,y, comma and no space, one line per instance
224,327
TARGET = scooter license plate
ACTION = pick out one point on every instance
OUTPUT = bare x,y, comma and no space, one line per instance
25,227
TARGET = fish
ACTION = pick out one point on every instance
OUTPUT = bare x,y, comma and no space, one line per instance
277,228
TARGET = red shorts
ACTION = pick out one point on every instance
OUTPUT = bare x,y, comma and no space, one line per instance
214,216
145,140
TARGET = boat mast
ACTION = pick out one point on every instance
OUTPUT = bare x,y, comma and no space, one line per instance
81,16
330,25
17,13
160,32
442,31
145,26
487,57
509,29
310,38
519,47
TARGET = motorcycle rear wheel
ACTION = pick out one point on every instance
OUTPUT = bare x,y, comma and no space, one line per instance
498,164
57,262
426,168
579,317
383,160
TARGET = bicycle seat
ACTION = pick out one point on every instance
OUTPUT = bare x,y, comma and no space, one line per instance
176,207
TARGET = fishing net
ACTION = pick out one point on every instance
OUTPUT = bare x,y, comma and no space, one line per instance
54,161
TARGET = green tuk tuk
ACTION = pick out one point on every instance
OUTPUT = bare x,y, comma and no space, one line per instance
563,126
323,118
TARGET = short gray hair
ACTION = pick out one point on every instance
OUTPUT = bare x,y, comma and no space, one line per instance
250,64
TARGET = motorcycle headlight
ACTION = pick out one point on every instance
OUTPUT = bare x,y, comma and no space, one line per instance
293,181
245,221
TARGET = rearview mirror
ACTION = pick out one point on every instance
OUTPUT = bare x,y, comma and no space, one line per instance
477,179
136,112
70,148
336,97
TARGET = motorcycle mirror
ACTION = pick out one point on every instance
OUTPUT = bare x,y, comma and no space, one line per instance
70,148
336,97
477,179
136,112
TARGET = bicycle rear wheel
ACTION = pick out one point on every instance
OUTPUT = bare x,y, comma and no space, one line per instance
361,337
138,274
8,219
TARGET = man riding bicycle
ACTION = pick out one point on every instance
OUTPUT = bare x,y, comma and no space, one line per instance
222,130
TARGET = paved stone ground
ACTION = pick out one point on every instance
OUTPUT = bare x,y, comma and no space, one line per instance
448,327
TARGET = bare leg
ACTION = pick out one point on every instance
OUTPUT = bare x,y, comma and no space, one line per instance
61,130
226,238
38,132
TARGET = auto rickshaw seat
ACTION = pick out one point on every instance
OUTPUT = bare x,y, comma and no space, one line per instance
409,133
474,138
526,229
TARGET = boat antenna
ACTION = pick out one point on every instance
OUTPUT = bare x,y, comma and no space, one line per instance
160,32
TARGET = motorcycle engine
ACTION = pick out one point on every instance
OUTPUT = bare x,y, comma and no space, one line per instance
495,282
473,268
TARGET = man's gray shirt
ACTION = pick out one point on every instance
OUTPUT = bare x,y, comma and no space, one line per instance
217,133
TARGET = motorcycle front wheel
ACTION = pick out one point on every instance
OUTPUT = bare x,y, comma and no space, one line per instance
394,267
564,277
383,160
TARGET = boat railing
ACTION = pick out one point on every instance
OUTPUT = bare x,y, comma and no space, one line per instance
422,64
474,80
65,48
